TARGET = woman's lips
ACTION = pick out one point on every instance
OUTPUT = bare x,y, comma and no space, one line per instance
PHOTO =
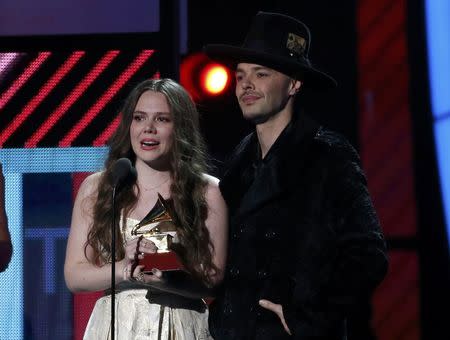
149,144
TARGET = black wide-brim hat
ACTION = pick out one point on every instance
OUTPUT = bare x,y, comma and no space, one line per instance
279,42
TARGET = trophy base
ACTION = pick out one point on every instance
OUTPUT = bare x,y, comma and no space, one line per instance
162,261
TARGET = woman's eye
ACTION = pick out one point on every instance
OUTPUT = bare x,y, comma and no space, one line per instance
162,119
138,118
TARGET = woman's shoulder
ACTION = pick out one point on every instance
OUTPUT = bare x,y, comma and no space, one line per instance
210,180
90,184
213,193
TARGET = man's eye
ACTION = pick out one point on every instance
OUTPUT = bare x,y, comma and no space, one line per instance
238,77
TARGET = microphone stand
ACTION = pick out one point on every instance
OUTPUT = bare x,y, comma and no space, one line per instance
122,168
113,263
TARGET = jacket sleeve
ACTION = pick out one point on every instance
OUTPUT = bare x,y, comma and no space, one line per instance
357,262
5,254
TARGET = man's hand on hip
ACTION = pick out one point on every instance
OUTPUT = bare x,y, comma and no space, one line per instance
278,310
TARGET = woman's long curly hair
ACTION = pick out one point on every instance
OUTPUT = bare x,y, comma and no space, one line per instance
188,165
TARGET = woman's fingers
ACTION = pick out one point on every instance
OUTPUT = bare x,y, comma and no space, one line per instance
130,248
127,271
147,246
154,276
157,273
146,277
137,270
136,248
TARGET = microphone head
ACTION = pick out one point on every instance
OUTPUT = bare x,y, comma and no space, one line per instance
121,169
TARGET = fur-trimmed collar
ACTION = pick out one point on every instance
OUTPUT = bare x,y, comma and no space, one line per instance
279,168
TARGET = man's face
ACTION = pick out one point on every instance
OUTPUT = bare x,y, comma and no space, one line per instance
262,92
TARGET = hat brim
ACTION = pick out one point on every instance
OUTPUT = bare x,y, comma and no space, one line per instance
232,55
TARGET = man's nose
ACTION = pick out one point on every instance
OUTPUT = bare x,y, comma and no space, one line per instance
246,83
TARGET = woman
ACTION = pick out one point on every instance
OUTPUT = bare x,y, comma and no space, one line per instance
159,133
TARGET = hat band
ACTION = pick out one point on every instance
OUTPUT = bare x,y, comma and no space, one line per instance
262,46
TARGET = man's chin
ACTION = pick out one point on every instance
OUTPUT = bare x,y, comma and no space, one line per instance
256,118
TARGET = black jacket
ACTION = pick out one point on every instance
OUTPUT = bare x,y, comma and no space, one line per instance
303,234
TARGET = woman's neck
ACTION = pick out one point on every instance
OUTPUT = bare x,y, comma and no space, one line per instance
151,179
150,182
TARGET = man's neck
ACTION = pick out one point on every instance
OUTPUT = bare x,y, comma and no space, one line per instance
269,131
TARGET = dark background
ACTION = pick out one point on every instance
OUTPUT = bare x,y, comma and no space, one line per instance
333,50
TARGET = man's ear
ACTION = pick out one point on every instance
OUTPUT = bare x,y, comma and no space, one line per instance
295,87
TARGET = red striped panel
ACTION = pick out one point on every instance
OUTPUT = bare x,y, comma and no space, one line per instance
105,98
103,138
398,298
71,98
385,127
386,152
23,78
41,95
387,25
52,105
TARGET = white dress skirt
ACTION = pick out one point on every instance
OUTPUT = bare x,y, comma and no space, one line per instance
138,319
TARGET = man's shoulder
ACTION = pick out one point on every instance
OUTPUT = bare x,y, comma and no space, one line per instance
243,144
338,155
335,145
241,152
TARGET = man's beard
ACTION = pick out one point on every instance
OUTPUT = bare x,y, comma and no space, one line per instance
260,118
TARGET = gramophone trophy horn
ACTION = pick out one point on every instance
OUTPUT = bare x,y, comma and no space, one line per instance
157,226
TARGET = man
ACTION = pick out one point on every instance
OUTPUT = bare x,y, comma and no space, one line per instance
305,242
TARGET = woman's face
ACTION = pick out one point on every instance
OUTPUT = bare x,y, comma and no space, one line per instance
151,130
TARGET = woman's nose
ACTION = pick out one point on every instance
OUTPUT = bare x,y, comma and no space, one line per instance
150,127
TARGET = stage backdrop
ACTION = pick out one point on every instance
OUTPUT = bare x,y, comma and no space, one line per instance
58,107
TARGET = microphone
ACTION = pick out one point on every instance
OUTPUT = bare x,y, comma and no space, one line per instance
121,170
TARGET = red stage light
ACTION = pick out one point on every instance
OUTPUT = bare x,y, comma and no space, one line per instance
214,79
202,77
